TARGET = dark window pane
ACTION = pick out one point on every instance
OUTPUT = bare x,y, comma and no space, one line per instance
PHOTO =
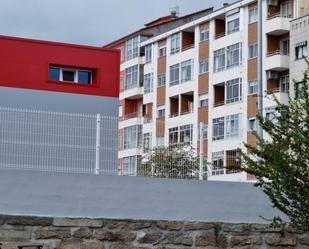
84,77
68,75
54,73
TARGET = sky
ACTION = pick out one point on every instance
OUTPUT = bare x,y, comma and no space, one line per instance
88,22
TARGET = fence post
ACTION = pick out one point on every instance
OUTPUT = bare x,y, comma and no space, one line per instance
201,152
97,148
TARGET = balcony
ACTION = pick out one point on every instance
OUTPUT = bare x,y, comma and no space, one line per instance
277,24
277,61
130,119
132,93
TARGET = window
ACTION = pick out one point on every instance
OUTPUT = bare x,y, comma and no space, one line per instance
203,103
252,124
147,139
299,89
161,80
132,137
186,70
218,163
233,26
131,77
219,60
84,77
203,100
121,83
148,83
162,51
132,48
232,126
175,43
173,135
253,15
233,90
174,75
252,87
160,141
204,66
218,128
286,10
70,75
120,111
301,50
185,134
204,132
148,53
204,34
130,165
285,47
284,83
161,113
121,53
270,113
253,51
233,55
54,73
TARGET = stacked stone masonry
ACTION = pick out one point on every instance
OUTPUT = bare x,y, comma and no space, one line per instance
67,233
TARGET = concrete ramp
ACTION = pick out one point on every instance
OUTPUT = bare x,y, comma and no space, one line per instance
121,197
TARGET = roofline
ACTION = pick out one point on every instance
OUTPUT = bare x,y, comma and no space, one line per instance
37,41
145,28
203,19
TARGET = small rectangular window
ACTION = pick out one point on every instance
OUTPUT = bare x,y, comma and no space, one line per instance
301,50
204,66
252,124
252,87
233,26
204,34
68,75
175,43
54,73
253,51
162,51
84,77
161,80
174,74
203,102
253,15
161,113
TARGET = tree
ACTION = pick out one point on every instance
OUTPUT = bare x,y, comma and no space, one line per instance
173,161
281,162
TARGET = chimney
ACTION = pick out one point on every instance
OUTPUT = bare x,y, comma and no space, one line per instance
225,5
174,13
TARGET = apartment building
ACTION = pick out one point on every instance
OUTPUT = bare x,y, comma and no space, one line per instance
204,72
299,50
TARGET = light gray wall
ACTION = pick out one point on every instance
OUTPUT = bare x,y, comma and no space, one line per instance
124,197
58,102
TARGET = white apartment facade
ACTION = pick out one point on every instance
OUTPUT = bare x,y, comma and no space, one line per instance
205,72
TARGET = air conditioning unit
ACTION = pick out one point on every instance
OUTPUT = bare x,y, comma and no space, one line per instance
272,2
272,75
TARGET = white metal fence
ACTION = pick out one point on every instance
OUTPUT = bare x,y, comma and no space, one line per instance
54,141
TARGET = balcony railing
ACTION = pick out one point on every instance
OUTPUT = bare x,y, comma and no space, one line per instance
147,119
278,14
186,112
218,103
172,115
217,36
130,116
187,47
276,52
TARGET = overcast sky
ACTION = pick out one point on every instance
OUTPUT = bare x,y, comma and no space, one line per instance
91,22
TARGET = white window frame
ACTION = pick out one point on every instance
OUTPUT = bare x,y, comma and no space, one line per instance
204,34
234,87
253,51
148,83
174,74
250,121
284,82
132,77
232,126
148,53
161,112
147,142
218,128
219,60
203,100
301,50
132,46
217,163
175,43
252,87
161,80
187,70
233,52
61,69
253,15
162,51
186,134
204,66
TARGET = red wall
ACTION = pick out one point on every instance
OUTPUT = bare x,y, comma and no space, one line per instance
24,63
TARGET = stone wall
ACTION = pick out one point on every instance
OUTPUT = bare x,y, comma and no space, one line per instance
64,233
